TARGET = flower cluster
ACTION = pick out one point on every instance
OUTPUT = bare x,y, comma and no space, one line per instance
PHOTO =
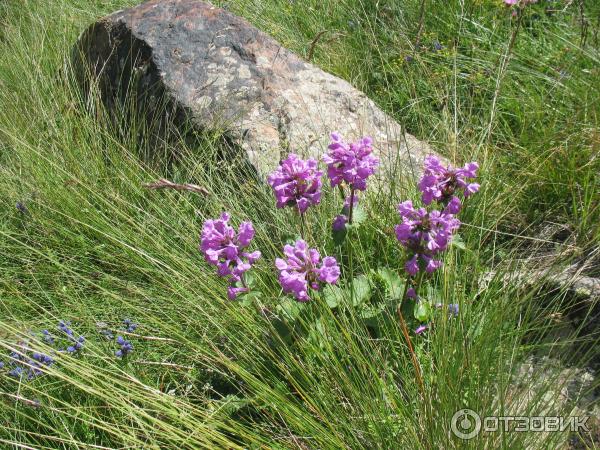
440,183
339,222
296,183
301,270
223,247
519,2
453,309
26,363
74,344
47,337
425,234
130,327
126,347
350,163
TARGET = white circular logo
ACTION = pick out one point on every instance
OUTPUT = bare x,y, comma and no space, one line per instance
466,424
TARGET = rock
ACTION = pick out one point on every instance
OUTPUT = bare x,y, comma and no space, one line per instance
185,62
545,386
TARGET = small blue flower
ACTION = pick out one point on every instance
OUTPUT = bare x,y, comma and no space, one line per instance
129,325
453,309
16,372
21,207
126,347
48,338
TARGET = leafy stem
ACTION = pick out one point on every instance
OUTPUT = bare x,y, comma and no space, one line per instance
351,207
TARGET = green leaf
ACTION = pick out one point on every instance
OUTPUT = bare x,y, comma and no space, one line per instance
318,335
458,242
369,311
231,404
333,295
422,311
434,295
361,290
249,298
289,308
249,279
393,283
359,215
291,238
339,236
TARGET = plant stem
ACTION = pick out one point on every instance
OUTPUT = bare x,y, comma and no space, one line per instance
419,281
302,226
411,350
406,334
420,27
351,207
502,69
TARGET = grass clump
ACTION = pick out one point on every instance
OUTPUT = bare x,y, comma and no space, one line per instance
83,241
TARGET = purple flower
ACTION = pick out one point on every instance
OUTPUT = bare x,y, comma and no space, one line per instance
21,207
440,183
412,265
233,292
130,327
126,347
453,206
421,328
297,183
301,270
339,222
519,2
16,372
347,202
411,293
65,327
350,163
223,248
425,234
23,365
48,338
453,309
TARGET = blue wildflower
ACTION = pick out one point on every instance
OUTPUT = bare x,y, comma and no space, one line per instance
48,338
129,325
126,347
453,309
16,372
65,328
21,207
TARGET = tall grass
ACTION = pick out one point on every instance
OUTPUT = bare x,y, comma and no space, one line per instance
91,245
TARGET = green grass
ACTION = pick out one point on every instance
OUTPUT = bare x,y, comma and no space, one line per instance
95,246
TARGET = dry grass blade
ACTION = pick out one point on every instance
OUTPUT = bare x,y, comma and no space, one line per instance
163,183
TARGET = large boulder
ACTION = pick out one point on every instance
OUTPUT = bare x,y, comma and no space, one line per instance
187,62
